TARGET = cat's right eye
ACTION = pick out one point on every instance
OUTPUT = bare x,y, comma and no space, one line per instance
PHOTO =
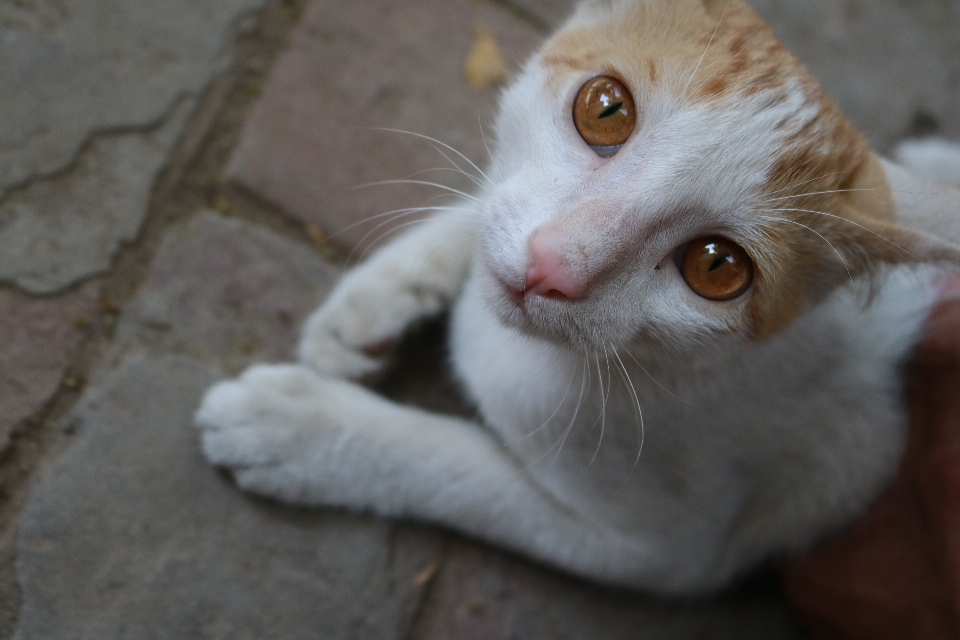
604,114
716,268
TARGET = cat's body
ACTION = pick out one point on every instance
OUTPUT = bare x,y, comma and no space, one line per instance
633,431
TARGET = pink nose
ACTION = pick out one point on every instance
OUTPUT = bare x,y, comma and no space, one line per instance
550,274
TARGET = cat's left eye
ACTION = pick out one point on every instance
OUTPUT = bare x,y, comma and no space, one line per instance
604,114
716,268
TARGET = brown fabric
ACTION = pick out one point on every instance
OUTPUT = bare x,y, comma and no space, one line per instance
896,574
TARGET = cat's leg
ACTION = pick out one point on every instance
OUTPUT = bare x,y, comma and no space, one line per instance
288,433
415,276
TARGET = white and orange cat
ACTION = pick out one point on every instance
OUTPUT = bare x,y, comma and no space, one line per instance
681,302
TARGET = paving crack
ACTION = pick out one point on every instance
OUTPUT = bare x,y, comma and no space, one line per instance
188,181
93,136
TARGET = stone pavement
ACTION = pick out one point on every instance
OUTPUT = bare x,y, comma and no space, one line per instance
177,187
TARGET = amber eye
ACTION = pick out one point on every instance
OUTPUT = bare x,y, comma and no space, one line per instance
604,113
716,269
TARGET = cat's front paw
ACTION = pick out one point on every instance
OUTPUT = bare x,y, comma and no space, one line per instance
352,334
338,341
275,428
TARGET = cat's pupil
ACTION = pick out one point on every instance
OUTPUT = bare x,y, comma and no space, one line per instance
611,110
721,261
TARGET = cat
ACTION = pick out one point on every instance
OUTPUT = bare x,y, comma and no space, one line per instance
680,300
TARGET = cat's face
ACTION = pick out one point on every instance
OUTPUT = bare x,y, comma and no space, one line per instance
728,139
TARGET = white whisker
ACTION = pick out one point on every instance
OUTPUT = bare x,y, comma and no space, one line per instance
493,162
800,184
700,62
435,141
722,67
426,183
636,398
395,212
604,399
657,382
552,415
374,243
817,193
584,384
403,213
839,255
860,226
454,169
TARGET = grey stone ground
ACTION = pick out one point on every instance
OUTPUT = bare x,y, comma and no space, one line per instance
169,175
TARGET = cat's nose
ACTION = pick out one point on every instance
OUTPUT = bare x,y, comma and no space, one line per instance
550,274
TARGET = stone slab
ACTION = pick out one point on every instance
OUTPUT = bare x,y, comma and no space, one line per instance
309,141
225,291
133,535
73,68
892,66
39,338
545,14
59,230
95,96
482,594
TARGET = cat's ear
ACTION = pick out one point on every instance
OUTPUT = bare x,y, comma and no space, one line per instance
836,253
889,242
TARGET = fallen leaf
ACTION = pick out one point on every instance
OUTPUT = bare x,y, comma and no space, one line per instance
484,66
316,234
427,574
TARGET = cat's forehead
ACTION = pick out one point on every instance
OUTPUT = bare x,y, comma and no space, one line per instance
695,49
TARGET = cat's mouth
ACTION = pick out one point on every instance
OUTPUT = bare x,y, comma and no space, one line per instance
516,296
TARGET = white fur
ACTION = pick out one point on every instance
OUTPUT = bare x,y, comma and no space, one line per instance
748,448
924,205
935,159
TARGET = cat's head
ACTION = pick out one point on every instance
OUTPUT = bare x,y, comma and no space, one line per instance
666,168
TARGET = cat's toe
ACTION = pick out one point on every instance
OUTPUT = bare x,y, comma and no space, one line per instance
352,334
226,405
283,482
260,417
323,350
